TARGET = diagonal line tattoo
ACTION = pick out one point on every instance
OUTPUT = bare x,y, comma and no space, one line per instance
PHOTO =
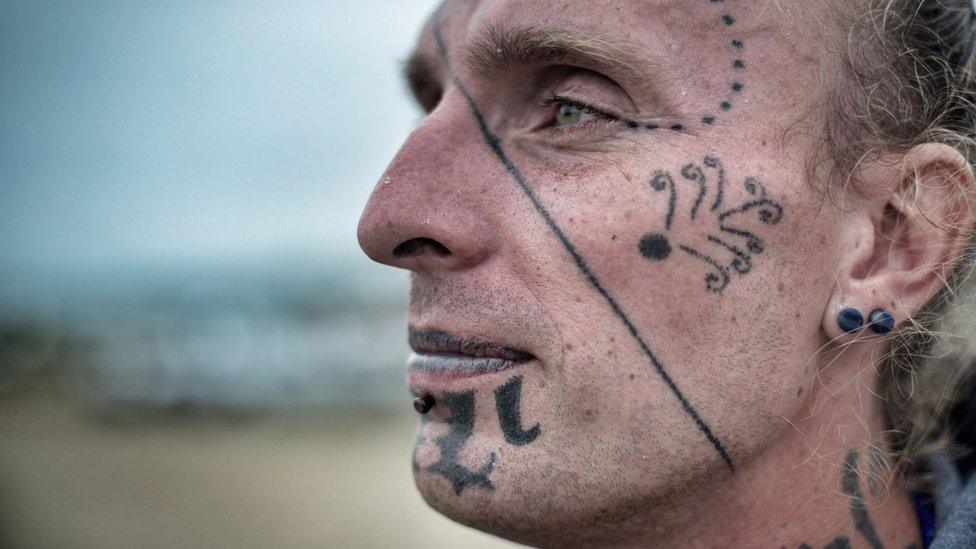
496,147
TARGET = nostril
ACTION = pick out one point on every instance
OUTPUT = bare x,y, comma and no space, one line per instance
420,246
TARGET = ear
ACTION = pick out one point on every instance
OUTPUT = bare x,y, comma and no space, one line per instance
907,231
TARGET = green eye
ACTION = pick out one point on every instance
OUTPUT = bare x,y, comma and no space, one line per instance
568,114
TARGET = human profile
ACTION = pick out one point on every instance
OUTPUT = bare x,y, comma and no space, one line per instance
680,269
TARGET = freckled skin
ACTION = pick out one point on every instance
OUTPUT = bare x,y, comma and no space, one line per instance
606,454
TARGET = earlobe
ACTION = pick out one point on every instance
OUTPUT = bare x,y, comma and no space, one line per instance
851,320
915,215
845,312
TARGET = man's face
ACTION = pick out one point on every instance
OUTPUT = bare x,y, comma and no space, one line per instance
619,265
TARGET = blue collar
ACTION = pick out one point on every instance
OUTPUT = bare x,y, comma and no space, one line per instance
925,510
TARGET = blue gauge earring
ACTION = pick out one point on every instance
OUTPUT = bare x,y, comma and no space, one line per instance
850,320
881,321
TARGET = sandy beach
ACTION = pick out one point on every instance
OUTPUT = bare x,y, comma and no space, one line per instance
319,478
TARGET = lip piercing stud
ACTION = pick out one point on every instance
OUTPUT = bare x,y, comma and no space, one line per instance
881,321
850,320
423,404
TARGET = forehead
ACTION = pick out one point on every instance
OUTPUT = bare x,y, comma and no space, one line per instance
696,47
644,21
625,18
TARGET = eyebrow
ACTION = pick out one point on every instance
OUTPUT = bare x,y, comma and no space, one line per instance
420,74
499,49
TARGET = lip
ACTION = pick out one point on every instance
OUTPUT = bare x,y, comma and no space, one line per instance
441,354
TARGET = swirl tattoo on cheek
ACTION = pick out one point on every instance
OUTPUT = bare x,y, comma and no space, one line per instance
656,246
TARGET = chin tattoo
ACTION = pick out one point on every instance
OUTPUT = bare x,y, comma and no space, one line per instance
508,398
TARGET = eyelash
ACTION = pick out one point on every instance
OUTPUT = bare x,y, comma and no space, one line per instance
602,116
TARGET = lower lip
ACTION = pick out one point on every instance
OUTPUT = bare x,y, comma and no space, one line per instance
456,366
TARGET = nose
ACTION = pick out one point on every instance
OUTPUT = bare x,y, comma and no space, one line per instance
428,212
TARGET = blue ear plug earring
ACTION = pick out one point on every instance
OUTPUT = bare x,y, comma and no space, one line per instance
881,321
850,320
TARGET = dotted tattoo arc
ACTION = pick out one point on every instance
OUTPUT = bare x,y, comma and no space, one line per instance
738,64
735,86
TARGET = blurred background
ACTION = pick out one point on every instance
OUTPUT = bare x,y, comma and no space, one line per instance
193,350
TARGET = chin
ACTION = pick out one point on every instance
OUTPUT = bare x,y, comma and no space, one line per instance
487,512
516,510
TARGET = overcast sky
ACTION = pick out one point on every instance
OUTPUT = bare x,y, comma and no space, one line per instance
151,133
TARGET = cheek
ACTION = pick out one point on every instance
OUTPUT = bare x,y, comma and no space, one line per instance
728,303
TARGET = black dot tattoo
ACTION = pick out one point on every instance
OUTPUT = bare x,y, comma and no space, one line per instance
655,246
633,124
728,20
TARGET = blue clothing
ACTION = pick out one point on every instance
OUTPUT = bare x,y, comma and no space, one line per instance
955,506
925,509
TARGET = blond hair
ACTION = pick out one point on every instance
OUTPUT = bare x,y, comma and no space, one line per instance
908,69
